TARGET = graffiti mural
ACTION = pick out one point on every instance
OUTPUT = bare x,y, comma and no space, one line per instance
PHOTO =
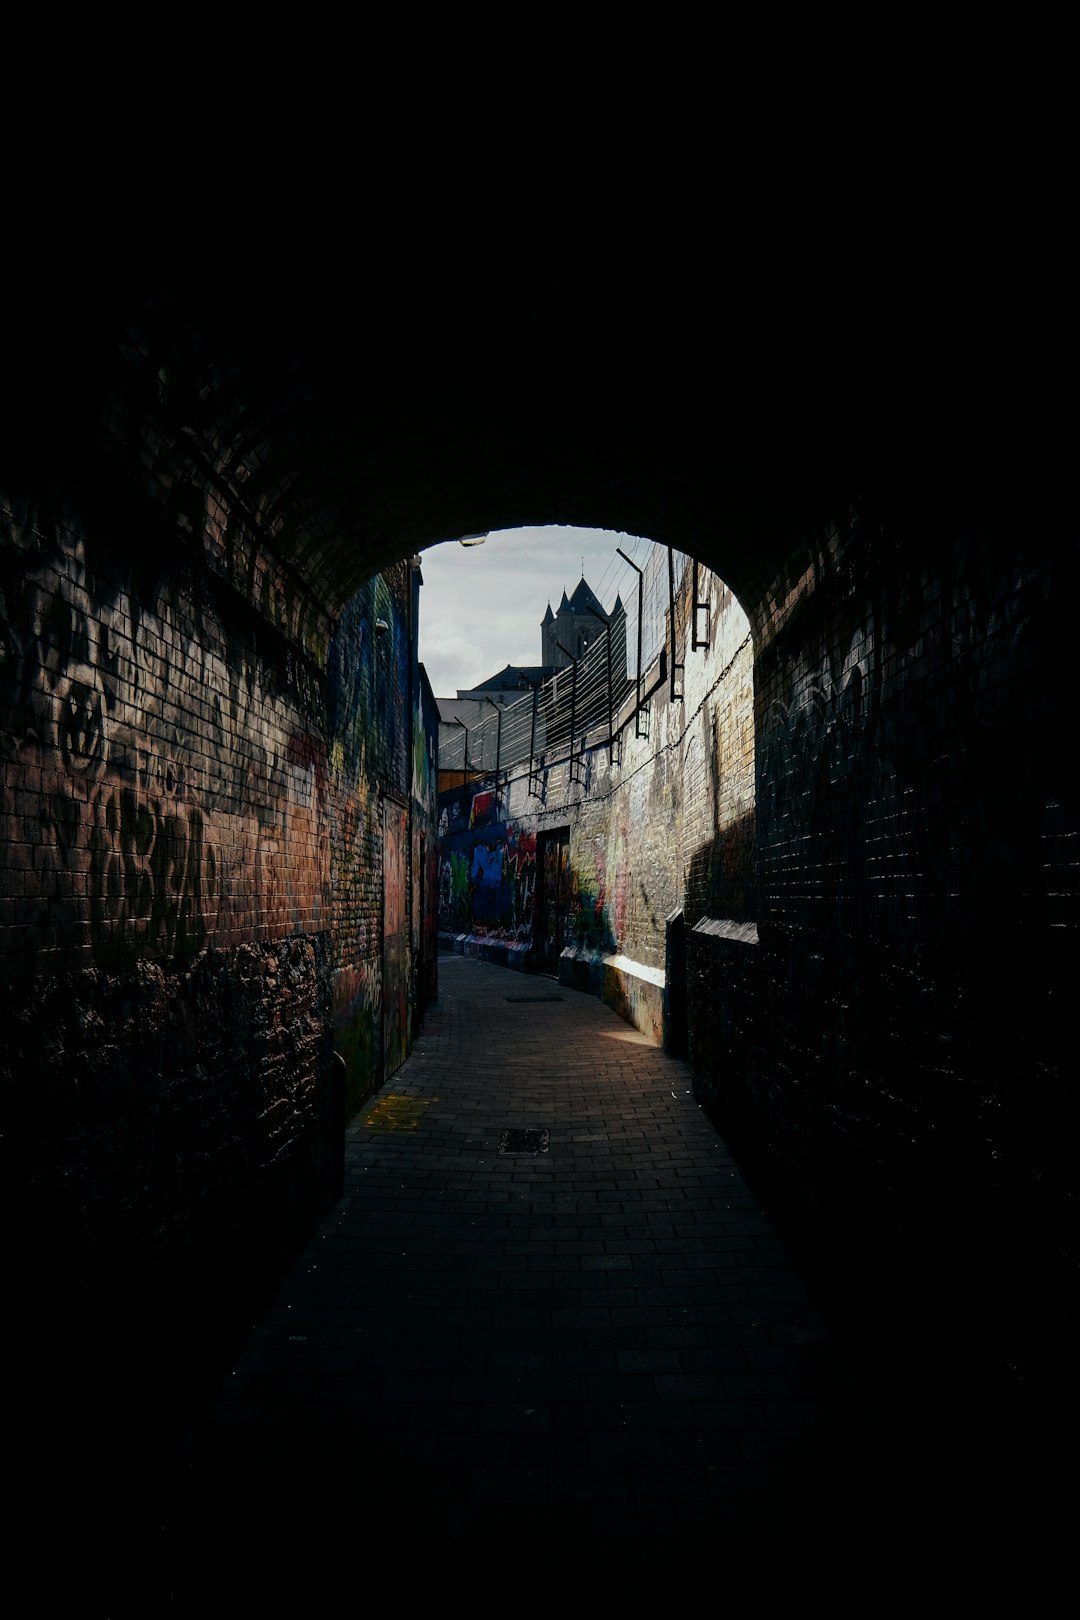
589,922
484,810
177,800
357,1015
381,812
487,870
521,875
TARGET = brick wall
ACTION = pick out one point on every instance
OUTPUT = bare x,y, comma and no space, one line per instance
191,890
161,751
369,697
425,796
894,1050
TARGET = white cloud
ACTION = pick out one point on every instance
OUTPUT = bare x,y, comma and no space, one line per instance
481,606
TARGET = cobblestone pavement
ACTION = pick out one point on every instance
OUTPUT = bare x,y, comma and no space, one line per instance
576,1347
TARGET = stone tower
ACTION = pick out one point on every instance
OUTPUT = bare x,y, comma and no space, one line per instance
580,620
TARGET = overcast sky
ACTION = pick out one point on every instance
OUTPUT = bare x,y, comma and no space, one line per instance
481,606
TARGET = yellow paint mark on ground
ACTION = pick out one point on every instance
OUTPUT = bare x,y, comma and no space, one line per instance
397,1113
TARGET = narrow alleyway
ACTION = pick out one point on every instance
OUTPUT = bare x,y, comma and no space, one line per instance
548,1329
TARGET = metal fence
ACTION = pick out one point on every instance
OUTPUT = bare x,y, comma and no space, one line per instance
581,703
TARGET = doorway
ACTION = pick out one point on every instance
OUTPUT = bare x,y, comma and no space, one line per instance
552,898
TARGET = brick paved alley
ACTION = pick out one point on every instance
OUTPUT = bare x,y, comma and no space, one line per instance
585,1352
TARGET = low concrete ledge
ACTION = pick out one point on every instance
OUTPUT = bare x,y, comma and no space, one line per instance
633,990
741,933
582,970
636,992
510,953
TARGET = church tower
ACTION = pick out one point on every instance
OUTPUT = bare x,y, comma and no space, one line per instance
568,634
547,646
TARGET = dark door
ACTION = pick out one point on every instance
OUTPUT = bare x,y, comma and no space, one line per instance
552,897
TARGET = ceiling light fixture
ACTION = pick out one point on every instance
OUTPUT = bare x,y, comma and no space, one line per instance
472,539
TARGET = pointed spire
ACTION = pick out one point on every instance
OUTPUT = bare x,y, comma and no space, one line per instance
549,617
564,604
585,600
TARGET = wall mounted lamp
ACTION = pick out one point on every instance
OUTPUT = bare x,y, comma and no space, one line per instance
381,627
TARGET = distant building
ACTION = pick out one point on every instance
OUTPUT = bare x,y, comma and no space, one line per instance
564,637
568,634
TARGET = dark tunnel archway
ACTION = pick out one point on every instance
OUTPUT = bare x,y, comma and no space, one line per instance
210,497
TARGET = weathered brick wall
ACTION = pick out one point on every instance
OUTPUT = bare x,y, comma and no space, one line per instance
161,752
425,872
165,960
190,870
895,1047
368,698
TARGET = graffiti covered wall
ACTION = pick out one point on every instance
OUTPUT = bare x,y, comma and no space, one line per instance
380,735
164,774
487,867
165,956
667,827
191,920
425,853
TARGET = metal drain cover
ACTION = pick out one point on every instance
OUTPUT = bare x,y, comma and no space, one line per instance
523,1141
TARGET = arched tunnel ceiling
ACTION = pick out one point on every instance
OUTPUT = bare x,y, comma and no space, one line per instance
357,416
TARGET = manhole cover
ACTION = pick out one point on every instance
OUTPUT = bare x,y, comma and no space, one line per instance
536,998
523,1141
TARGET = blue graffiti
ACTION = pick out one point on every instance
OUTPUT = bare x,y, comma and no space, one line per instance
490,886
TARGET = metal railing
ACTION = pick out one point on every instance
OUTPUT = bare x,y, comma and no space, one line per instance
549,725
